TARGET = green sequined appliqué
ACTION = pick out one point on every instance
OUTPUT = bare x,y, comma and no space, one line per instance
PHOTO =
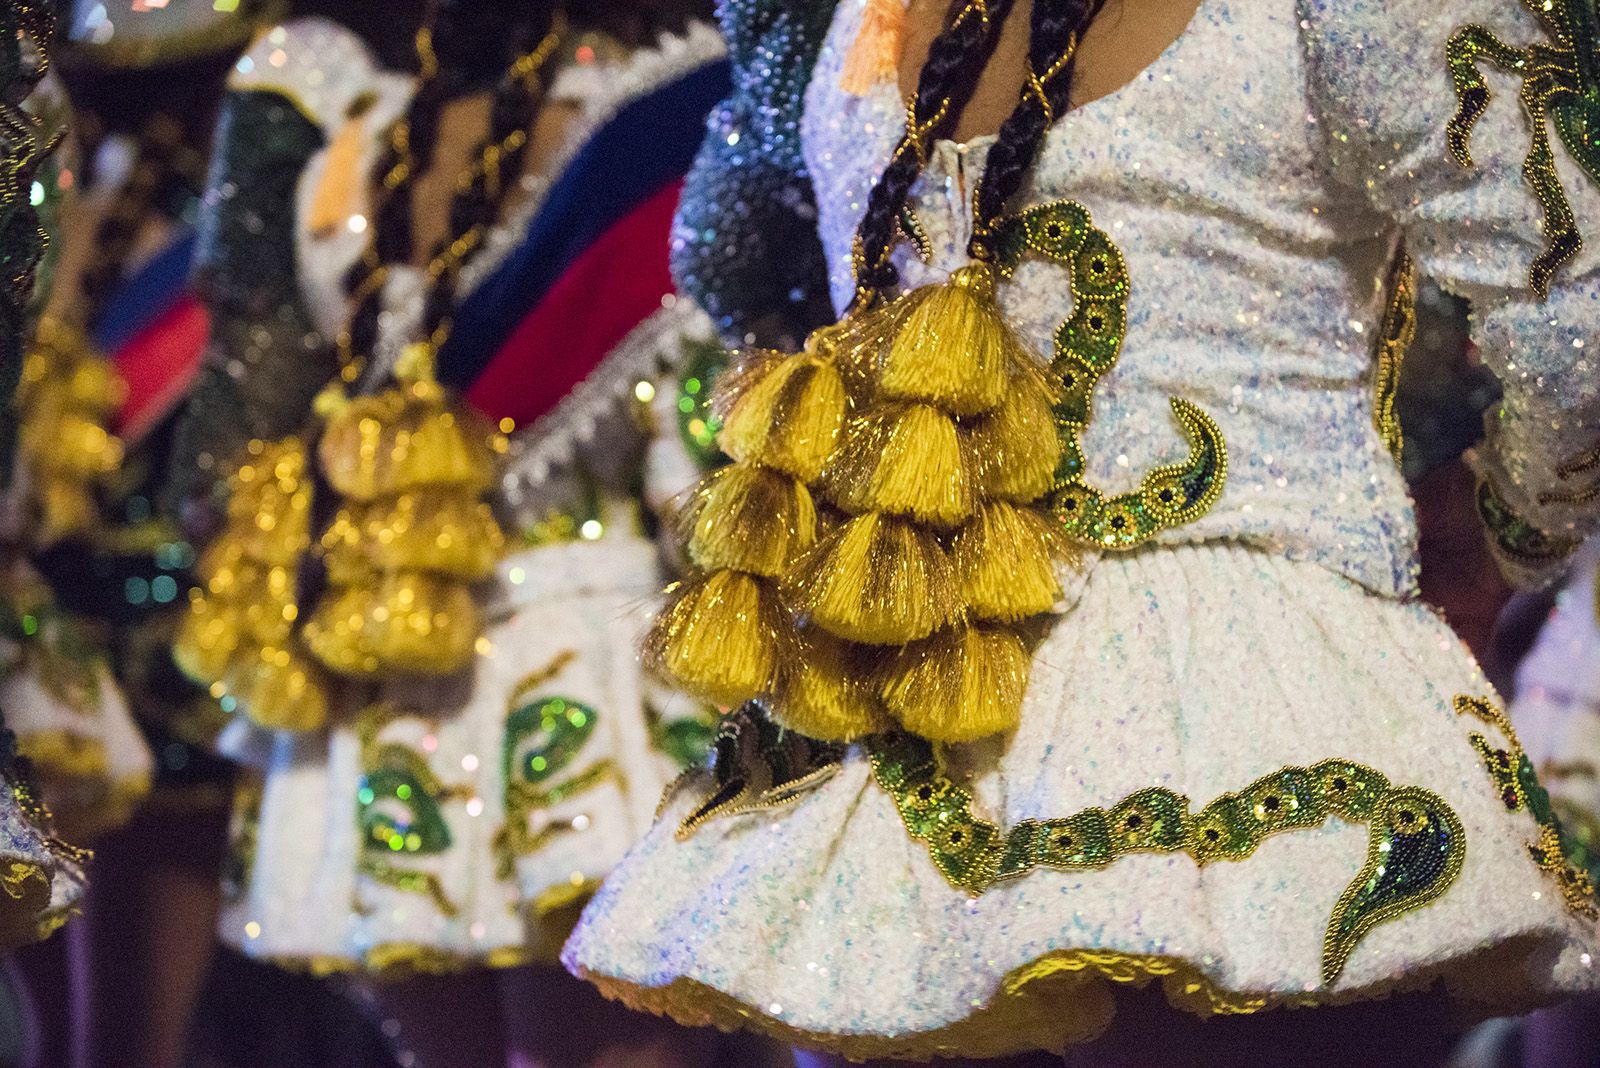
543,738
400,810
1087,346
1560,82
698,425
1515,536
1415,846
1561,858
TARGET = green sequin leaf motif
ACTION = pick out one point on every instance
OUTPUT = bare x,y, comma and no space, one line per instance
1560,82
1414,852
543,738
399,805
1087,346
1555,852
1415,847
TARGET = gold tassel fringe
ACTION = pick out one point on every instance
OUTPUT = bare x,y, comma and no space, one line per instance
954,348
718,638
1005,563
959,685
875,580
409,622
788,419
749,518
1016,448
906,460
825,690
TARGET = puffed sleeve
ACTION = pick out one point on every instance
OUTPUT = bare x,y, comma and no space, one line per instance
265,361
744,243
1495,211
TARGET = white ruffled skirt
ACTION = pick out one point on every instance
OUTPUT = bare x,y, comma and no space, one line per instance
451,826
1244,776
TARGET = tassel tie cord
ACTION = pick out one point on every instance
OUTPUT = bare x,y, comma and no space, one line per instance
877,550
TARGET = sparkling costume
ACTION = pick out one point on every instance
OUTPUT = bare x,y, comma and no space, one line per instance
1249,763
438,824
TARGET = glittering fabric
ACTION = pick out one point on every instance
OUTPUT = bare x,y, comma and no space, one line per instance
264,362
437,825
744,245
1258,177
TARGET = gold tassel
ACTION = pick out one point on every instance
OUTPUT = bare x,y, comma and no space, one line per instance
440,532
788,418
748,518
280,690
408,622
876,580
207,638
825,690
1016,449
402,439
718,638
269,509
1005,563
959,685
874,57
904,459
953,349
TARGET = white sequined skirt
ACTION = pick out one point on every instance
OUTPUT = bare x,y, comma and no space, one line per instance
1245,777
452,826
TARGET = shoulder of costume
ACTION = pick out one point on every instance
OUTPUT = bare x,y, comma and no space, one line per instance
317,65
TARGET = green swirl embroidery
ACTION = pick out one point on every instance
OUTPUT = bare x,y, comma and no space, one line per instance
1415,846
1087,346
400,810
1560,82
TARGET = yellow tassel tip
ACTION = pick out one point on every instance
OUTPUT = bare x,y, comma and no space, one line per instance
904,459
959,685
405,623
441,532
825,690
281,690
787,418
207,639
269,512
1005,563
953,348
874,57
876,580
748,518
1016,449
405,439
718,639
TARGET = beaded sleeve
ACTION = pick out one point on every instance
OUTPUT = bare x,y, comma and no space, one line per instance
744,243
1469,125
264,362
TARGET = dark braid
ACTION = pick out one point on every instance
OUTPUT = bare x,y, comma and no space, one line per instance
472,43
955,61
477,205
1057,28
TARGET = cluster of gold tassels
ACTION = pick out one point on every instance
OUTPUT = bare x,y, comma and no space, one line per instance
874,548
240,635
412,534
67,397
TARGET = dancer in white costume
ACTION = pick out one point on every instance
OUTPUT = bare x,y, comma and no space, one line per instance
1247,762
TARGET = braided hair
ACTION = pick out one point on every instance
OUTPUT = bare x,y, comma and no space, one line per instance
473,44
956,60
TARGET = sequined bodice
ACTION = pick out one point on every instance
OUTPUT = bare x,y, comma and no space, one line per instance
1255,277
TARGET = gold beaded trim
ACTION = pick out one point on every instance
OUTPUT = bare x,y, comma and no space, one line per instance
1559,84
1394,342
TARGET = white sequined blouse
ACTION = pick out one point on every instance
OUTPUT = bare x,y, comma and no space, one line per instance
1258,177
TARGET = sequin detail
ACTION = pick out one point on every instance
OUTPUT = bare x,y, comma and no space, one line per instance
1520,790
754,765
698,425
544,735
1394,341
400,809
1516,537
1414,851
1087,346
1560,81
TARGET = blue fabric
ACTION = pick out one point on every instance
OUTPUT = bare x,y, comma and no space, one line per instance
145,295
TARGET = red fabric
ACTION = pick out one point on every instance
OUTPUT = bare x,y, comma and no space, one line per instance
610,289
159,364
